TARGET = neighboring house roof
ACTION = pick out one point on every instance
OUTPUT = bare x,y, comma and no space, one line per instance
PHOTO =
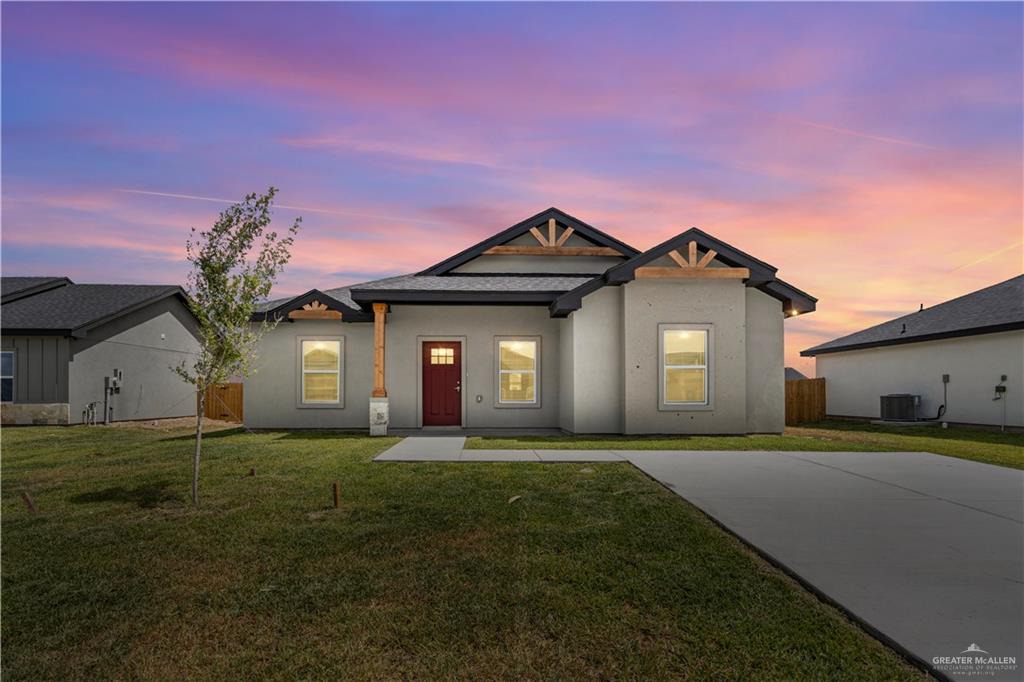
997,308
794,374
73,309
13,288
579,227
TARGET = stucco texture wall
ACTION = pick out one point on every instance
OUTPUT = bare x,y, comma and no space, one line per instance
597,355
144,345
854,380
719,303
766,381
271,396
477,327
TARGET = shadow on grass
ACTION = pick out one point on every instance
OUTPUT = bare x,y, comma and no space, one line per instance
319,434
961,433
146,496
223,433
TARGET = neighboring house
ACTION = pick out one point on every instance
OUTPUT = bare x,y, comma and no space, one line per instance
793,374
62,342
975,341
548,324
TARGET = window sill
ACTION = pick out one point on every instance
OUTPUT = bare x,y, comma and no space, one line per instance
685,408
517,406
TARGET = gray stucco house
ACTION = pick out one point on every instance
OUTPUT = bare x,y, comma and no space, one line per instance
550,323
62,342
963,359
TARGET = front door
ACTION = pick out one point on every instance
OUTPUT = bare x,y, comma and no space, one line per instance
442,383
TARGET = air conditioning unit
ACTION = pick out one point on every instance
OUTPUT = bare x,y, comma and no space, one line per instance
900,407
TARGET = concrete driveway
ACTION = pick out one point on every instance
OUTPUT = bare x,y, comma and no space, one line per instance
925,549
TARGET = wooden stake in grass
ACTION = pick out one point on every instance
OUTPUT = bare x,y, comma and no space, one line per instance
28,502
337,495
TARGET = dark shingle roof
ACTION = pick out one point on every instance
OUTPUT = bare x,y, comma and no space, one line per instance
12,288
75,306
504,283
793,374
999,307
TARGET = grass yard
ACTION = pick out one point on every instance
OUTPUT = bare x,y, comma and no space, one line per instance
991,447
427,571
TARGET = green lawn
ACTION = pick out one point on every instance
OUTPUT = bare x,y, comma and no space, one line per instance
992,447
427,571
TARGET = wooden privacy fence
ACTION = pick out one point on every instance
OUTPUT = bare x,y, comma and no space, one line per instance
805,401
225,402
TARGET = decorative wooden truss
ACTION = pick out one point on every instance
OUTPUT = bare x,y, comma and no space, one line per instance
314,310
551,245
692,268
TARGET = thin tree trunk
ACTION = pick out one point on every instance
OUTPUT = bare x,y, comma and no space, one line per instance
200,409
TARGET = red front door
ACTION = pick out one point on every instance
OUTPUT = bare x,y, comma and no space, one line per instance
442,383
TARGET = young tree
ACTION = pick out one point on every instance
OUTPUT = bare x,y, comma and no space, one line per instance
234,265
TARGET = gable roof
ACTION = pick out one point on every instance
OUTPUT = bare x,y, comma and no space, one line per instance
562,292
762,275
999,307
13,288
73,309
579,227
335,299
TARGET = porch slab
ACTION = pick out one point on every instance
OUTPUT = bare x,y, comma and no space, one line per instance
425,449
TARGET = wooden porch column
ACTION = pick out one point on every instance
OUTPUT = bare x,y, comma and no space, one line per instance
380,311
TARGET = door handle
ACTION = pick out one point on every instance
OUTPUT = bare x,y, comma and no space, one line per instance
458,386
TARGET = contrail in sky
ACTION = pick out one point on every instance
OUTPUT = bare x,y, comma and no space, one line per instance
351,214
987,256
866,136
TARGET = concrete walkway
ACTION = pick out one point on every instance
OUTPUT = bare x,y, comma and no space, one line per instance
926,550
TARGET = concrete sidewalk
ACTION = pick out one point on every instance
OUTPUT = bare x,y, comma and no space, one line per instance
452,449
926,550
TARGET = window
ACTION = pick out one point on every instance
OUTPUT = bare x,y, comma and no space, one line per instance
684,365
517,372
321,371
442,356
7,376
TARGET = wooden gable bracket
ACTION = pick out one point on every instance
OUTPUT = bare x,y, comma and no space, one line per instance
314,311
691,267
550,245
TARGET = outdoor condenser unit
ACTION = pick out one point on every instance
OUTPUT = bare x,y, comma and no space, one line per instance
900,407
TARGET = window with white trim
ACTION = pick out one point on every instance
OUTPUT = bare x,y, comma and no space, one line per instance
684,365
517,371
7,376
321,371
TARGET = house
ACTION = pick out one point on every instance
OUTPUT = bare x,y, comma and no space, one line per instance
76,352
793,374
954,354
550,323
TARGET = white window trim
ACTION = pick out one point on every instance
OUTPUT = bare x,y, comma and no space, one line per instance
708,367
498,371
11,375
301,375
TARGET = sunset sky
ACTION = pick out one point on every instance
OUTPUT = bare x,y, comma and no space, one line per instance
873,153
